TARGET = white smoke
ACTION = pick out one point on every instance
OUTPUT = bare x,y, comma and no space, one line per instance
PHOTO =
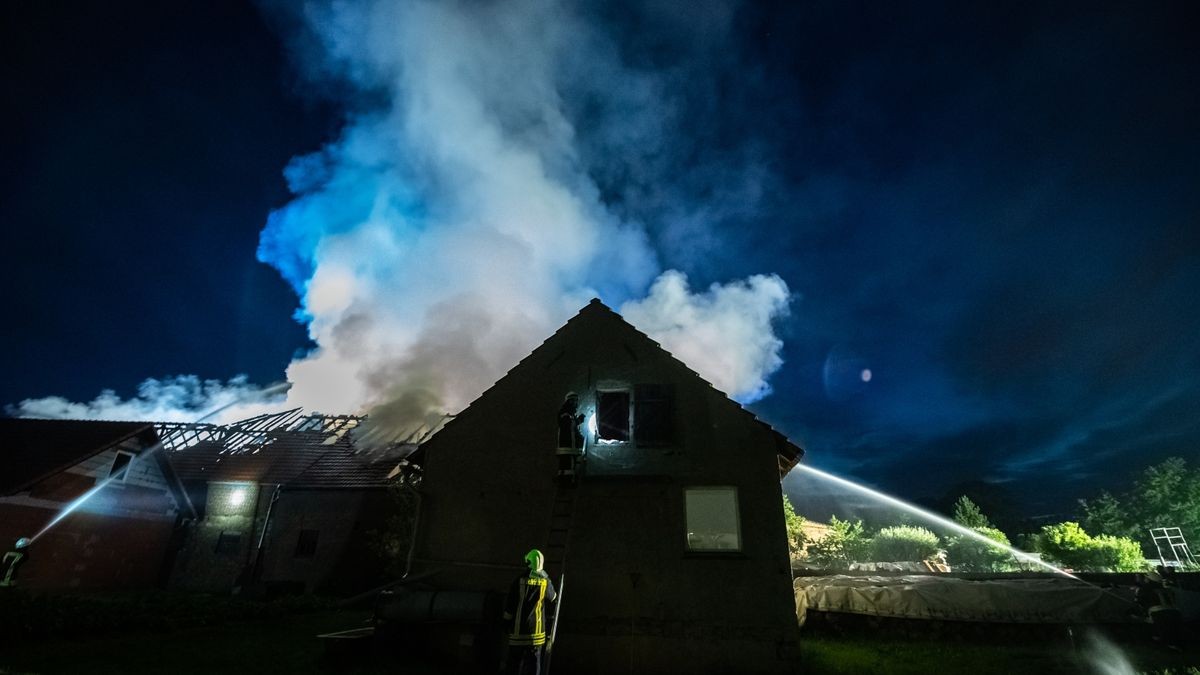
184,398
454,224
724,334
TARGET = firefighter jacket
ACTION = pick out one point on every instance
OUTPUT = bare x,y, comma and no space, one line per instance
525,608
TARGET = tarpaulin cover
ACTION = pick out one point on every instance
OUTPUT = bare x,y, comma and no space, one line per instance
1052,600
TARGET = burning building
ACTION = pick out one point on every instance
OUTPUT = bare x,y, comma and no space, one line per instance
98,499
285,504
670,531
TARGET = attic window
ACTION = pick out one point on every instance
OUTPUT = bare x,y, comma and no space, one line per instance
612,416
120,465
713,524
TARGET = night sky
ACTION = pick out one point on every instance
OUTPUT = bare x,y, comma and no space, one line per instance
994,211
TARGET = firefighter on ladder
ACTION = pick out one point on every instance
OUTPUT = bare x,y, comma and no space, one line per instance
525,617
570,439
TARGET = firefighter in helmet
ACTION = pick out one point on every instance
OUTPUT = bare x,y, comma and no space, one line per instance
525,616
14,559
570,439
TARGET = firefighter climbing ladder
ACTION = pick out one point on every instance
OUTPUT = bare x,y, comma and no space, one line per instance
1176,545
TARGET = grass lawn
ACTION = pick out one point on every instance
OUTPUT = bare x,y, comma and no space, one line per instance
287,644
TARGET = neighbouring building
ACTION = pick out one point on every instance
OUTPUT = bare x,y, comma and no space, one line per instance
672,537
122,503
285,504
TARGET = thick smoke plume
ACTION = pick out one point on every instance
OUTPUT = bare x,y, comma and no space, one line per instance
456,222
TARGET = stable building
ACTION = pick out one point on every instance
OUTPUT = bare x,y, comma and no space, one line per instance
668,524
285,504
99,499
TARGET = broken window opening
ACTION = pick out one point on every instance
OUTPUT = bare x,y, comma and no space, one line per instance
613,416
713,523
121,465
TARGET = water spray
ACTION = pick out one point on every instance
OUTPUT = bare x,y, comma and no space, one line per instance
940,520
119,475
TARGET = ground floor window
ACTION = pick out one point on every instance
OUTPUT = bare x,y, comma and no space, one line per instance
713,522
306,545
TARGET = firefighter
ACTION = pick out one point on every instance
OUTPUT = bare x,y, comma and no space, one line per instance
14,559
570,439
525,617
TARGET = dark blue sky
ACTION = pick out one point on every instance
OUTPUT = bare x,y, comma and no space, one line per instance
994,210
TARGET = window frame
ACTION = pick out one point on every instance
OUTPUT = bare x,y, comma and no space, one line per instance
629,431
739,550
127,468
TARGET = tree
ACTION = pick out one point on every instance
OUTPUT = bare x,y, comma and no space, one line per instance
1166,494
795,526
846,542
967,514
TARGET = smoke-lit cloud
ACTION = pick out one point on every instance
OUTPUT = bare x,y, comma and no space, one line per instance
184,398
485,185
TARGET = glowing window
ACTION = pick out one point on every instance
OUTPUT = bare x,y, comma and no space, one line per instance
121,464
612,416
306,545
712,519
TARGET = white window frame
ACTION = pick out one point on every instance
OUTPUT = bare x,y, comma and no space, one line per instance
128,467
615,389
737,518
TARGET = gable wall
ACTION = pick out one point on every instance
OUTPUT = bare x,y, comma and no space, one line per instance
633,591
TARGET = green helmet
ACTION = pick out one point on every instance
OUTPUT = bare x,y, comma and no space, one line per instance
534,559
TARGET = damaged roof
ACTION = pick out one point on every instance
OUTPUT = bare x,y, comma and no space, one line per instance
33,449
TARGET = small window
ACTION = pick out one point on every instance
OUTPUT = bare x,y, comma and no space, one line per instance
229,543
652,422
612,416
306,545
712,519
121,464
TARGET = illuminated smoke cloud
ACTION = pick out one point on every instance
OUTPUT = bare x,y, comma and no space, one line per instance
184,398
456,221
724,334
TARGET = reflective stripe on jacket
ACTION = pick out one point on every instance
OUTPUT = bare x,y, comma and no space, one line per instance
525,609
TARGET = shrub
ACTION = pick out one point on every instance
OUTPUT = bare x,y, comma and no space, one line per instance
1119,554
903,542
966,554
1067,544
845,543
795,526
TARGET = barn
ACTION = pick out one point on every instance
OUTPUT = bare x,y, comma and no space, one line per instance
116,538
668,534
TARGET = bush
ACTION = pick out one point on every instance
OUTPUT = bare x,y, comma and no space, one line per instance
845,543
903,543
1119,554
966,554
795,526
1067,544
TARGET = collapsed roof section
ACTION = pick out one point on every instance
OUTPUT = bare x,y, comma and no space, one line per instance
288,448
